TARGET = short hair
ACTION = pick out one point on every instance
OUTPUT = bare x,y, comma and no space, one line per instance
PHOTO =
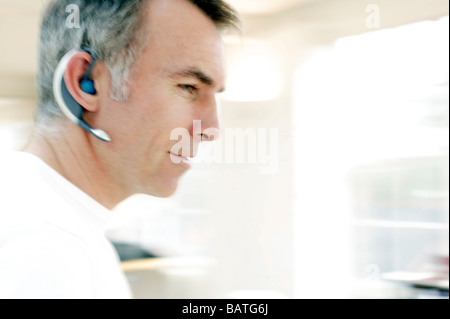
114,29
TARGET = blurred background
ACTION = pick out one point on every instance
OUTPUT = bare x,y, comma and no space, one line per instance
356,201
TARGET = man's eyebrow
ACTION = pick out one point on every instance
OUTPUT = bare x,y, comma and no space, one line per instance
195,73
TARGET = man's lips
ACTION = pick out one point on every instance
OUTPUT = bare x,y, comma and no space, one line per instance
180,158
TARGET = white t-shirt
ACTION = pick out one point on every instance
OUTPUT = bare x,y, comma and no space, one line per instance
52,242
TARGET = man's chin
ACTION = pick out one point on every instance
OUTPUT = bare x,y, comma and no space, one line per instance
167,189
165,194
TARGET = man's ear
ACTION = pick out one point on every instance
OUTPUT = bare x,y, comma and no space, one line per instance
76,69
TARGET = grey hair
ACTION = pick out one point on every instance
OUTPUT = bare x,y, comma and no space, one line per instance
114,29
111,27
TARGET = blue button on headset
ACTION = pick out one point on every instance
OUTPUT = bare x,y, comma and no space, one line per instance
87,86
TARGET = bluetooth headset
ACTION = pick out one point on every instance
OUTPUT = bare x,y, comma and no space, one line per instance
69,106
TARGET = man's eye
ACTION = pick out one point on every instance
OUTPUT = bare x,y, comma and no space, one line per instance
188,88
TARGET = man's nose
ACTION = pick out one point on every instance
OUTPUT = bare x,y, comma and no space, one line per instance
210,127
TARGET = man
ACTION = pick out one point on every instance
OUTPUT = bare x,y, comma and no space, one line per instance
159,67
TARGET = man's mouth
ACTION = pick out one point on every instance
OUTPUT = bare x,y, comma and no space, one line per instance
179,159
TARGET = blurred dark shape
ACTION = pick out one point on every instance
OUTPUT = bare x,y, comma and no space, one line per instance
128,251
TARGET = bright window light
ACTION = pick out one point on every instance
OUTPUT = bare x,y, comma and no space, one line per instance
256,73
378,96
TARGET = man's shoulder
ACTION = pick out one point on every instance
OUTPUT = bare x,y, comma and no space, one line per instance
41,235
18,171
29,194
41,260
10,159
38,259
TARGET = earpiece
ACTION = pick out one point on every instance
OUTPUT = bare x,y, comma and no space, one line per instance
69,106
87,86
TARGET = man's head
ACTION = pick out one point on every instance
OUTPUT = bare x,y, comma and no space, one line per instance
115,29
160,64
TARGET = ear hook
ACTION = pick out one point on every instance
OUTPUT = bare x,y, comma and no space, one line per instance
69,106
93,54
87,85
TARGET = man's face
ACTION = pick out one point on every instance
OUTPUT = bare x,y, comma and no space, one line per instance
174,82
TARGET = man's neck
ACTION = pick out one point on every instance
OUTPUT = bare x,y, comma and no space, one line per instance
71,154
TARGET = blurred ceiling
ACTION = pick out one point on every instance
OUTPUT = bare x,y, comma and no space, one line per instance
243,6
253,7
